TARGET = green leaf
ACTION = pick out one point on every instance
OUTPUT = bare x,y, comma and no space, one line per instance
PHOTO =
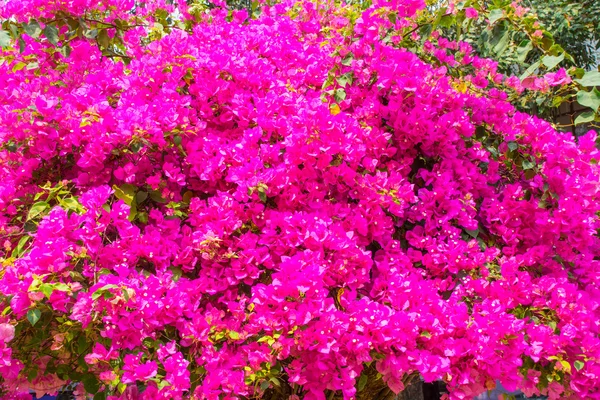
33,316
100,396
71,203
177,273
558,49
557,101
347,61
142,217
82,343
547,42
566,366
578,73
32,65
150,343
495,15
132,212
4,39
343,80
33,29
19,66
103,39
552,61
392,17
140,197
90,383
62,287
37,209
20,246
362,382
156,196
262,195
512,146
527,164
51,34
101,291
47,289
524,48
587,116
425,31
275,381
162,384
125,192
589,99
234,335
14,30
441,12
579,365
529,174
328,82
447,20
340,95
90,33
32,374
65,50
591,78
502,43
530,70
21,44
473,233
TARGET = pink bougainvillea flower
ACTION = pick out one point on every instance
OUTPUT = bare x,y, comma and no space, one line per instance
198,202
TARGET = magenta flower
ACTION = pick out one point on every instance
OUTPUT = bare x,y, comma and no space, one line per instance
215,205
470,12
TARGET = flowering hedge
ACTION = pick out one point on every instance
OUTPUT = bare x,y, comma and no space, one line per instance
200,204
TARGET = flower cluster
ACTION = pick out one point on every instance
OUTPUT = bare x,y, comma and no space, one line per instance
286,204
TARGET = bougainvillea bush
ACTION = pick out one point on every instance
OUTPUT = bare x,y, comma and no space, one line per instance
283,202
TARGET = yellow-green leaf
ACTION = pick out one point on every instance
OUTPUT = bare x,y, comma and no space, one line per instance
566,366
70,203
19,66
47,289
125,192
37,209
20,247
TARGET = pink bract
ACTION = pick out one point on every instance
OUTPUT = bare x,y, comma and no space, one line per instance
251,204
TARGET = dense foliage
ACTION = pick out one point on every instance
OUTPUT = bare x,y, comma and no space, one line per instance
305,202
527,39
575,25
